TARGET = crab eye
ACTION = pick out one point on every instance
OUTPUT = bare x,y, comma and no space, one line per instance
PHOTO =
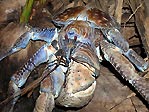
71,33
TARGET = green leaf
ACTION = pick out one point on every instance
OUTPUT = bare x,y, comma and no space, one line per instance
26,11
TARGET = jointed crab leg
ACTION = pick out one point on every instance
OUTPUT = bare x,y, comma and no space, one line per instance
47,35
50,89
44,54
115,36
125,68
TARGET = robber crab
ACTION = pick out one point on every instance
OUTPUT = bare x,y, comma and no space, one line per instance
85,34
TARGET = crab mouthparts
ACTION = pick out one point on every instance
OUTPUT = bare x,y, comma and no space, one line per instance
70,47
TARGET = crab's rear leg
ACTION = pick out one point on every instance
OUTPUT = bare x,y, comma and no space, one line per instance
44,54
50,89
125,68
115,36
47,35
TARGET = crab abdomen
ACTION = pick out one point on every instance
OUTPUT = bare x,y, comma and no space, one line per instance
79,86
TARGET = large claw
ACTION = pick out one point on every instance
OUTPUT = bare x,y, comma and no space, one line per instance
125,68
41,56
115,36
46,35
18,79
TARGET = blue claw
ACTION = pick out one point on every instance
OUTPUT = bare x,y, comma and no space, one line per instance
2,56
47,35
140,63
20,43
115,36
42,55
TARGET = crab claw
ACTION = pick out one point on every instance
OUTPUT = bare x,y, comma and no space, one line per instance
115,36
125,68
46,35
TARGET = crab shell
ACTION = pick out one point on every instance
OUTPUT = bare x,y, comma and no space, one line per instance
80,80
96,17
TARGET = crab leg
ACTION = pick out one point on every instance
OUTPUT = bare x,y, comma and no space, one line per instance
125,68
44,54
50,89
115,36
46,35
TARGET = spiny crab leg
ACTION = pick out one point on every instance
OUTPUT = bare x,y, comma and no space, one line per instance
115,36
125,68
47,35
44,54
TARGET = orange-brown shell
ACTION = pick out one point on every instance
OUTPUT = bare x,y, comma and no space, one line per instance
93,15
68,14
99,17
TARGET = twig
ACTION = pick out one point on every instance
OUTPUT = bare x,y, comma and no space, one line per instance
133,105
118,11
128,97
133,13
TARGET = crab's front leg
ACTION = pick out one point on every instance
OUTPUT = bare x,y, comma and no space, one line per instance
47,35
50,89
115,36
44,54
125,68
